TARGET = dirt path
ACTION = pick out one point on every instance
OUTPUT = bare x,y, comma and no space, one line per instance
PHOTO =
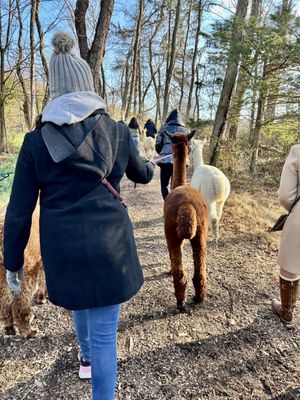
230,347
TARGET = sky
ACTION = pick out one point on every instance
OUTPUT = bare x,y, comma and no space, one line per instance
49,10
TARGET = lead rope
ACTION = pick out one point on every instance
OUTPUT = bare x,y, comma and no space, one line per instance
115,193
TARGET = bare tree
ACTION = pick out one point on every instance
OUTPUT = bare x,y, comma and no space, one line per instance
171,64
26,100
94,54
228,85
195,56
33,12
258,125
136,53
184,53
6,21
242,83
42,51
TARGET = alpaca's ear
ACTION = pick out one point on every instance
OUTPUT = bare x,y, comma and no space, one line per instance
191,135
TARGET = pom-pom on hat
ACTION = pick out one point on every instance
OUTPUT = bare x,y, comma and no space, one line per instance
67,72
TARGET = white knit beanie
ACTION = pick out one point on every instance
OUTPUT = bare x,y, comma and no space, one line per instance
67,73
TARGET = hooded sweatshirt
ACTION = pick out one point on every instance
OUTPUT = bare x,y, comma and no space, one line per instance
163,145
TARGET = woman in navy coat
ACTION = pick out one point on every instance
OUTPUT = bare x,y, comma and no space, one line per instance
87,242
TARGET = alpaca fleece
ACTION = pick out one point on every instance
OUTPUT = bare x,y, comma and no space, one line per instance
15,310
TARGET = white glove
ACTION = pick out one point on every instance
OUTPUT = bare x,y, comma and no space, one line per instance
151,164
13,280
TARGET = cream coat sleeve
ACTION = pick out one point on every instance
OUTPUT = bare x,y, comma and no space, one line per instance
288,189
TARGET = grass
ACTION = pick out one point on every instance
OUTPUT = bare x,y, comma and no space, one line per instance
257,212
8,164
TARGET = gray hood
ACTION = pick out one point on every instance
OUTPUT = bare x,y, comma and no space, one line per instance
84,146
72,107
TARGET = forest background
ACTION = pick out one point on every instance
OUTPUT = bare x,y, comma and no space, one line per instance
232,68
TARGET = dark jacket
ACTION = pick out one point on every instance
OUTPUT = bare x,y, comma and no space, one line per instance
150,129
87,242
163,144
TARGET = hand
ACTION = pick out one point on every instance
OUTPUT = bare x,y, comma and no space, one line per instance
152,165
13,280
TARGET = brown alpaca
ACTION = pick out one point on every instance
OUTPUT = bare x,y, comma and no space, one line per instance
15,310
186,217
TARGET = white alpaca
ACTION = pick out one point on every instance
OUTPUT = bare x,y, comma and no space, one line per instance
149,147
213,185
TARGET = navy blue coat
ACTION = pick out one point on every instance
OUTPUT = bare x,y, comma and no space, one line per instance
87,242
151,130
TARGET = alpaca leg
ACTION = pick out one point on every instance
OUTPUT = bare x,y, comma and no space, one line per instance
21,306
219,211
178,273
42,289
6,298
215,229
6,317
199,278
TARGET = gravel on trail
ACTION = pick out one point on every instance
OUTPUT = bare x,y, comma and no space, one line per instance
229,347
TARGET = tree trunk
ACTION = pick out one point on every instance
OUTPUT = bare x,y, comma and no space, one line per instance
275,79
95,54
42,53
256,135
237,104
135,57
3,138
241,87
194,60
103,92
32,63
257,127
26,102
253,107
80,26
184,53
170,68
124,93
226,93
5,40
152,72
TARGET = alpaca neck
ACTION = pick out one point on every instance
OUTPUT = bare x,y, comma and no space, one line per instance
198,157
179,170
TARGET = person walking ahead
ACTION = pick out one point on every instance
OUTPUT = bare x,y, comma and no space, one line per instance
134,129
87,242
164,147
150,127
289,252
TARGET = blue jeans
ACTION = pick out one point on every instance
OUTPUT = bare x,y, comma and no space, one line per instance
96,330
166,173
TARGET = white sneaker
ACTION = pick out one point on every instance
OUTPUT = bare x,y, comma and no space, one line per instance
85,369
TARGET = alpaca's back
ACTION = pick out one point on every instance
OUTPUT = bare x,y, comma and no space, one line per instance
215,188
212,183
185,212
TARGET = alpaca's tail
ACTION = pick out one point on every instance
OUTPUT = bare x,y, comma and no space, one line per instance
186,221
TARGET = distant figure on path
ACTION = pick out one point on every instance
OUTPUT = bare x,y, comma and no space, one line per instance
87,243
164,147
134,131
150,127
289,252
